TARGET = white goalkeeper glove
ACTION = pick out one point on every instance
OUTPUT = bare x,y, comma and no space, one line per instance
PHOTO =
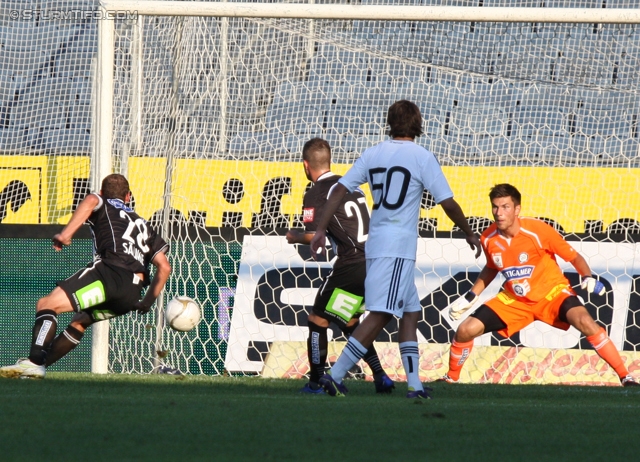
592,285
461,305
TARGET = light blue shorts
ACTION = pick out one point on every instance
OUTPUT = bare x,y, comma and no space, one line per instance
390,286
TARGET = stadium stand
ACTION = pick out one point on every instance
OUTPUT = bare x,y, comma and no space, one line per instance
546,104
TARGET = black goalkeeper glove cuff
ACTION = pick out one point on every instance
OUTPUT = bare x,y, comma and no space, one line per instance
470,296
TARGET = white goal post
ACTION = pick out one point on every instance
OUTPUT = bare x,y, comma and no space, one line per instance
488,117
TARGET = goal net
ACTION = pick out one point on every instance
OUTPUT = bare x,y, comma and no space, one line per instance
206,107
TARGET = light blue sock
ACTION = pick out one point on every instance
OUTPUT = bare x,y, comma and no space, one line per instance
352,353
411,360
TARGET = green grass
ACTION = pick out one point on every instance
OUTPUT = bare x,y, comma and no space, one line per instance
89,417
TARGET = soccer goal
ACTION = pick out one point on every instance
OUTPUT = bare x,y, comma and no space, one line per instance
205,106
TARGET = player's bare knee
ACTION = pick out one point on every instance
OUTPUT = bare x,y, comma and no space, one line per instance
81,321
46,303
317,320
578,316
353,321
468,330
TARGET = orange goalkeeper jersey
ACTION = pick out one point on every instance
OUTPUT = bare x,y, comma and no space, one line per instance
528,260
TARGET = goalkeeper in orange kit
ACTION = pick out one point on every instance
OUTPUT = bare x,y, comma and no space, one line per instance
524,250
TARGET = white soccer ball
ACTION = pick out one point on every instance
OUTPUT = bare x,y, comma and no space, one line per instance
182,314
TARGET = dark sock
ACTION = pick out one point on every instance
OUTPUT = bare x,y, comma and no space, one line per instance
371,358
66,341
316,351
44,331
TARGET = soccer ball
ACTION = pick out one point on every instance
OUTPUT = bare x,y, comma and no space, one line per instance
182,314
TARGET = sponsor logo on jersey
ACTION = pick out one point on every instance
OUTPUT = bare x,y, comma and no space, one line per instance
307,215
523,257
497,259
117,203
517,272
521,288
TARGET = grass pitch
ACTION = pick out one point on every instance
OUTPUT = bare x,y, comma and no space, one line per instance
119,417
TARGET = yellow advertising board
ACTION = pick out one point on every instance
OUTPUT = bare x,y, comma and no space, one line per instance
23,189
216,188
569,196
486,364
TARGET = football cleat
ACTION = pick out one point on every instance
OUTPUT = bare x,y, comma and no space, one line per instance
23,369
168,370
420,394
629,381
446,378
331,387
383,384
312,389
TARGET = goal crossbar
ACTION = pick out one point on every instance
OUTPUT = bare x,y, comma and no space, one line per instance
377,12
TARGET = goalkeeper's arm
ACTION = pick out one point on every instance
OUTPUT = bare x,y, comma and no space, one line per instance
462,304
587,281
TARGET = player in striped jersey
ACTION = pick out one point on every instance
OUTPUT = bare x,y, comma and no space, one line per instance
398,171
524,250
111,285
341,295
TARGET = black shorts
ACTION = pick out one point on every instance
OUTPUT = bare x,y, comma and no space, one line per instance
103,291
341,295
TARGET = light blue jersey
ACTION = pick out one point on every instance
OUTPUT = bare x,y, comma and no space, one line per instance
397,173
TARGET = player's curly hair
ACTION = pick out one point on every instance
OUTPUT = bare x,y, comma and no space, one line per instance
115,186
404,120
505,190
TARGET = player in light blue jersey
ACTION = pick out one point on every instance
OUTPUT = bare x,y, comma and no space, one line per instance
398,171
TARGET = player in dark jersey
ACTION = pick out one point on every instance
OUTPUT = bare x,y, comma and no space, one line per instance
124,248
341,295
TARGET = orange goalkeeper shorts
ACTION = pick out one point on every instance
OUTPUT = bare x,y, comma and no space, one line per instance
517,314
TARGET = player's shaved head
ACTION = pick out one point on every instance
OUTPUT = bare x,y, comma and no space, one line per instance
317,153
404,120
115,186
505,190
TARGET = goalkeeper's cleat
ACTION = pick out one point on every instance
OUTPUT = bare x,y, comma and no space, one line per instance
331,387
447,379
383,384
629,381
312,389
23,369
419,394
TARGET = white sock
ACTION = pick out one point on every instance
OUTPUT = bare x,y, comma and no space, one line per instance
352,353
410,361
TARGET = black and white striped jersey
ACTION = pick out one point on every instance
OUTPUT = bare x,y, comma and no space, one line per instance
349,226
122,238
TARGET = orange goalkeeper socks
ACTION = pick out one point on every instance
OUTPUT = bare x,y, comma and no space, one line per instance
458,354
607,351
